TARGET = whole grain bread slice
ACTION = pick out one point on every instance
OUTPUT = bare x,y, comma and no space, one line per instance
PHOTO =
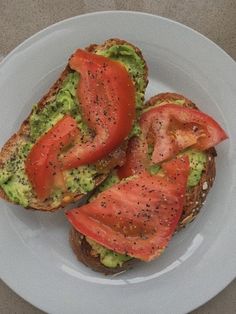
195,196
112,160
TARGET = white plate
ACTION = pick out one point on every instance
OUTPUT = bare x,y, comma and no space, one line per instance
36,260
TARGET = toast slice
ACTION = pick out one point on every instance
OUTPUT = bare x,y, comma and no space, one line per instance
21,192
195,196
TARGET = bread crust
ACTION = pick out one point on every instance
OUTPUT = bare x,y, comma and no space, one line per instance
23,132
195,196
83,251
165,98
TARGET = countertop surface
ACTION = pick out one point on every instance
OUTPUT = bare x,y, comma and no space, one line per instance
216,19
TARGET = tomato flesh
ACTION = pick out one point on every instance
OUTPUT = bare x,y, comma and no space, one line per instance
138,216
170,129
176,128
107,98
42,164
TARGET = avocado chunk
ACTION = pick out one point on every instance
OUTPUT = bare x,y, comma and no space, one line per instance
18,191
108,257
197,161
81,179
154,169
111,180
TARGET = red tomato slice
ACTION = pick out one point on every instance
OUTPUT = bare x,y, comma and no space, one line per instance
42,165
107,98
177,169
138,216
170,129
175,128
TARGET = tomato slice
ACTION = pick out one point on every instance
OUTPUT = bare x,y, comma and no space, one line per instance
107,98
177,169
170,129
137,216
175,128
42,164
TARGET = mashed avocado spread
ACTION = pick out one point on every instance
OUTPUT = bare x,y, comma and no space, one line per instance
197,161
108,257
13,178
64,103
42,120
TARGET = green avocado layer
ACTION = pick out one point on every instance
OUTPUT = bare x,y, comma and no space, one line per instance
82,177
197,161
110,180
64,103
108,257
13,179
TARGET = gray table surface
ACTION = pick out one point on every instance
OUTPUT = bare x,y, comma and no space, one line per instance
216,19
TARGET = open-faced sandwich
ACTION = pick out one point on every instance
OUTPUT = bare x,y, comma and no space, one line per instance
78,131
169,169
150,165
